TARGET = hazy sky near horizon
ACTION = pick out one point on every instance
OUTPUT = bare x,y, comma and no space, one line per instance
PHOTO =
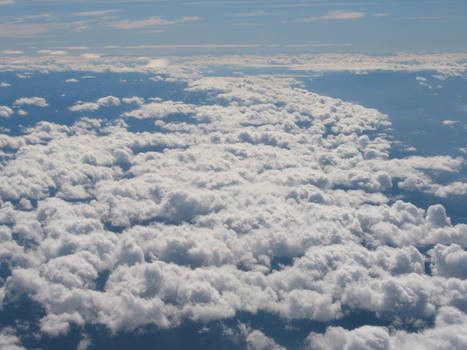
262,26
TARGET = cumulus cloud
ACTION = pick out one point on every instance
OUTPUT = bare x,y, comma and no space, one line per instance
8,339
268,199
449,261
256,340
447,334
3,84
35,101
5,111
366,337
134,99
94,106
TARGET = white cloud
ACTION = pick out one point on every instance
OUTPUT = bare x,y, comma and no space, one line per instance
12,52
3,84
35,101
339,14
188,68
8,339
450,122
335,15
53,52
447,334
190,222
71,80
94,106
256,340
134,99
90,56
94,13
5,111
449,261
150,22
157,64
366,337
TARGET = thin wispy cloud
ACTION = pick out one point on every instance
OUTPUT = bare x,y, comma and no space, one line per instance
338,14
150,22
94,13
32,17
381,14
250,14
333,15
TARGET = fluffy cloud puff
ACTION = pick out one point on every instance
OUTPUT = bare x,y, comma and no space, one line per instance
94,106
8,340
271,199
5,111
446,334
36,101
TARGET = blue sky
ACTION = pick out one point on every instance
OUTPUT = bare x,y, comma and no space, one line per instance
181,27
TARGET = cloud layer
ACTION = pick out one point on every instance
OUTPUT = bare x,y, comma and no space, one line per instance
264,198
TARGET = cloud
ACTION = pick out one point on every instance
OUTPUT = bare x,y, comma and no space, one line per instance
53,52
446,334
94,106
339,14
8,338
94,13
150,22
366,337
260,198
3,84
90,56
134,99
36,101
71,80
335,15
5,111
157,63
256,340
29,17
447,65
7,2
450,122
449,261
12,52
